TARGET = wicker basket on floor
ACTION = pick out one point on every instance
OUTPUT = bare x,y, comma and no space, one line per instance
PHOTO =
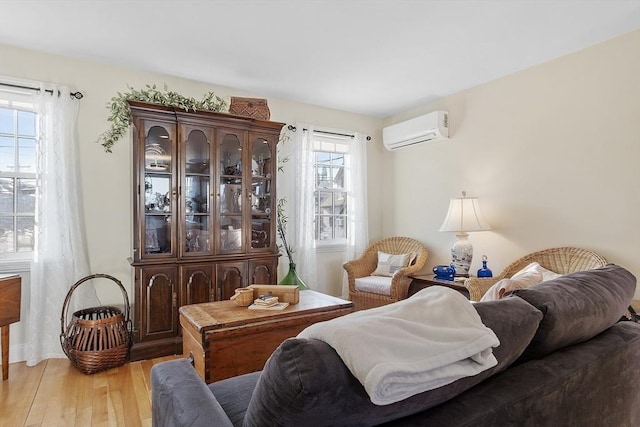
96,338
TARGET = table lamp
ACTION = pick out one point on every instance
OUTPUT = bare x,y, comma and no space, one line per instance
464,215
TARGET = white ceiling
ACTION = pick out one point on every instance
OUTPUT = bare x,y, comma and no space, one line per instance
375,57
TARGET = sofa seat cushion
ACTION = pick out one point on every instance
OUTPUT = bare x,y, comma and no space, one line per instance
305,382
594,383
577,307
374,284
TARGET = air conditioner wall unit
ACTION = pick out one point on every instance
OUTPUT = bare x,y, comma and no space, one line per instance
428,127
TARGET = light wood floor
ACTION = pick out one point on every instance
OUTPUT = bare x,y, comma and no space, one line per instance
54,393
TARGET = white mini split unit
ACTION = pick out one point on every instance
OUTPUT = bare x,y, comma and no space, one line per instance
421,129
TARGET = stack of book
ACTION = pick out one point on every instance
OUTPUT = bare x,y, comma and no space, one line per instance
268,302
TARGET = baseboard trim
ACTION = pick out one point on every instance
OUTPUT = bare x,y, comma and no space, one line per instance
17,353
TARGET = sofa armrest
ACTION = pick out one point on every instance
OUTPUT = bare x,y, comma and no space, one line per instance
181,398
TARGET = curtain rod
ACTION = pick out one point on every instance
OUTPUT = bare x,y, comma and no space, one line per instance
293,129
76,95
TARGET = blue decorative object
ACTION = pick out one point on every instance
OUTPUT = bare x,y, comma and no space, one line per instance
444,272
484,271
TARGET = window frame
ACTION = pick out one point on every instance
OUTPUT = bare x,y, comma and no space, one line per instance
332,144
21,102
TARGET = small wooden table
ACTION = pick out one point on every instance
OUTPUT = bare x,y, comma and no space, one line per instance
10,290
225,340
421,282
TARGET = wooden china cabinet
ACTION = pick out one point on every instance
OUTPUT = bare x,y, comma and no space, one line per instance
204,211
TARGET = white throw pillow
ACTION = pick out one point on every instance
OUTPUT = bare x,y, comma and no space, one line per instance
521,280
546,274
388,264
524,278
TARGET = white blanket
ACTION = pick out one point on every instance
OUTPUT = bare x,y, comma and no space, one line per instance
418,344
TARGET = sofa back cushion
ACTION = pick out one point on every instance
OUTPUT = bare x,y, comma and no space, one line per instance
305,382
577,307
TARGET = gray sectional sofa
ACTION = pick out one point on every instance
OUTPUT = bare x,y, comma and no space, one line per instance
564,359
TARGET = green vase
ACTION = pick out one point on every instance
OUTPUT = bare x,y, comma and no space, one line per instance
292,279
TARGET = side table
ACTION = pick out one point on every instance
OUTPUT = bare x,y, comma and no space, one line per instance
10,290
420,282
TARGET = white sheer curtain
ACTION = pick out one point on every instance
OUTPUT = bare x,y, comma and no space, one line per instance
297,185
60,254
304,243
356,182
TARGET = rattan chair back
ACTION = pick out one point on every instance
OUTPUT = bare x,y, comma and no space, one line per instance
561,260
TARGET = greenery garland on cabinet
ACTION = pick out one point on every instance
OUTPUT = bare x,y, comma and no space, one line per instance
120,114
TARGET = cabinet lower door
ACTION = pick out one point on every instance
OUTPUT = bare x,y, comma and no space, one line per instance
157,304
229,276
197,285
263,271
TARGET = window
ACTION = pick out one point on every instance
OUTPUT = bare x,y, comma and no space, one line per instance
331,166
18,157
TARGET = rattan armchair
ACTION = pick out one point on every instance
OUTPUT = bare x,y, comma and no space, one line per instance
367,263
562,260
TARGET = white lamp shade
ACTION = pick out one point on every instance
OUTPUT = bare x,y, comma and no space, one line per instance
464,215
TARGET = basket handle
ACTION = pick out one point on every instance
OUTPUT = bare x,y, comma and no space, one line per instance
67,300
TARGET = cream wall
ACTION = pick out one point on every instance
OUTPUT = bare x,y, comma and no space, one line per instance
553,153
106,178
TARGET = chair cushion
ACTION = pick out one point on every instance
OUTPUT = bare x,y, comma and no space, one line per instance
375,284
305,383
577,307
388,264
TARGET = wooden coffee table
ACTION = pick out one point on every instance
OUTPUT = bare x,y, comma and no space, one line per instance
225,340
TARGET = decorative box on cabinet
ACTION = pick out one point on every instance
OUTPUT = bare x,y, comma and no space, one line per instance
204,215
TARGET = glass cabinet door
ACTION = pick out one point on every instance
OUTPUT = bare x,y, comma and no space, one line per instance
196,231
159,191
263,168
230,192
